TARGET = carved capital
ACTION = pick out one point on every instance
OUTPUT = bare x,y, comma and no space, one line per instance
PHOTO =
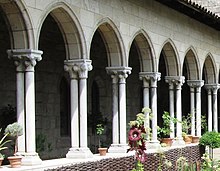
212,87
195,83
151,77
175,80
120,72
78,68
25,59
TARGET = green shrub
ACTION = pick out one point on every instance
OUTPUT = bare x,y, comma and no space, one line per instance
210,139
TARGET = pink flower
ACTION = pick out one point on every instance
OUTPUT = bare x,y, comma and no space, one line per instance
141,155
134,134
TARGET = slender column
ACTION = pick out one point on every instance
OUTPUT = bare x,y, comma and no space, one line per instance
146,103
212,106
171,107
119,75
215,114
18,61
115,117
192,105
78,71
198,111
122,105
83,74
72,70
195,88
179,82
210,119
30,62
29,59
154,78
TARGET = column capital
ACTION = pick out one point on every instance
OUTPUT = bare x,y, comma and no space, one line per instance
25,59
120,72
78,68
154,76
195,83
176,80
212,87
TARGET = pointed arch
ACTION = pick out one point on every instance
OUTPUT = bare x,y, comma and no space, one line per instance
19,24
70,27
145,51
170,54
192,64
113,42
209,69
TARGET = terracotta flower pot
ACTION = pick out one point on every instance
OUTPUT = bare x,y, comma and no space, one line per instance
195,139
168,141
15,161
1,160
102,151
187,139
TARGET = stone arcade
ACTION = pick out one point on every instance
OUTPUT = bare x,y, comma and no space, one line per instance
77,62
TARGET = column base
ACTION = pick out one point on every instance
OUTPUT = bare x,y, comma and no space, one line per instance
76,153
118,148
179,142
30,159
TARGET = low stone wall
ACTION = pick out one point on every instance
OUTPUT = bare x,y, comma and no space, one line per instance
192,154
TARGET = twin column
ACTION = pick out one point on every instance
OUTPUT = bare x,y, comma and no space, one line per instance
119,75
25,61
78,71
195,96
150,88
175,83
212,90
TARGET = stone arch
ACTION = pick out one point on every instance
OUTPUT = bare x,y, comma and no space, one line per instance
19,24
145,50
192,64
171,58
209,69
113,42
71,30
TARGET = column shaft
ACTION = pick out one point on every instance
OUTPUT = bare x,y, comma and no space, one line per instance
30,111
210,120
74,113
171,93
198,111
192,110
83,112
115,118
122,110
20,109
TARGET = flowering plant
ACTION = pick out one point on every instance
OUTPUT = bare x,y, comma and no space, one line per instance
137,139
209,164
14,130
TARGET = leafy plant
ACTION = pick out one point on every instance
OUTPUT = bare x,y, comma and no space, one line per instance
165,130
209,164
14,130
182,164
99,131
3,141
210,139
186,124
42,144
137,139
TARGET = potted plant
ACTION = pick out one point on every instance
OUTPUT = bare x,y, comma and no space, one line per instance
165,130
186,127
204,127
99,131
210,139
14,130
3,141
